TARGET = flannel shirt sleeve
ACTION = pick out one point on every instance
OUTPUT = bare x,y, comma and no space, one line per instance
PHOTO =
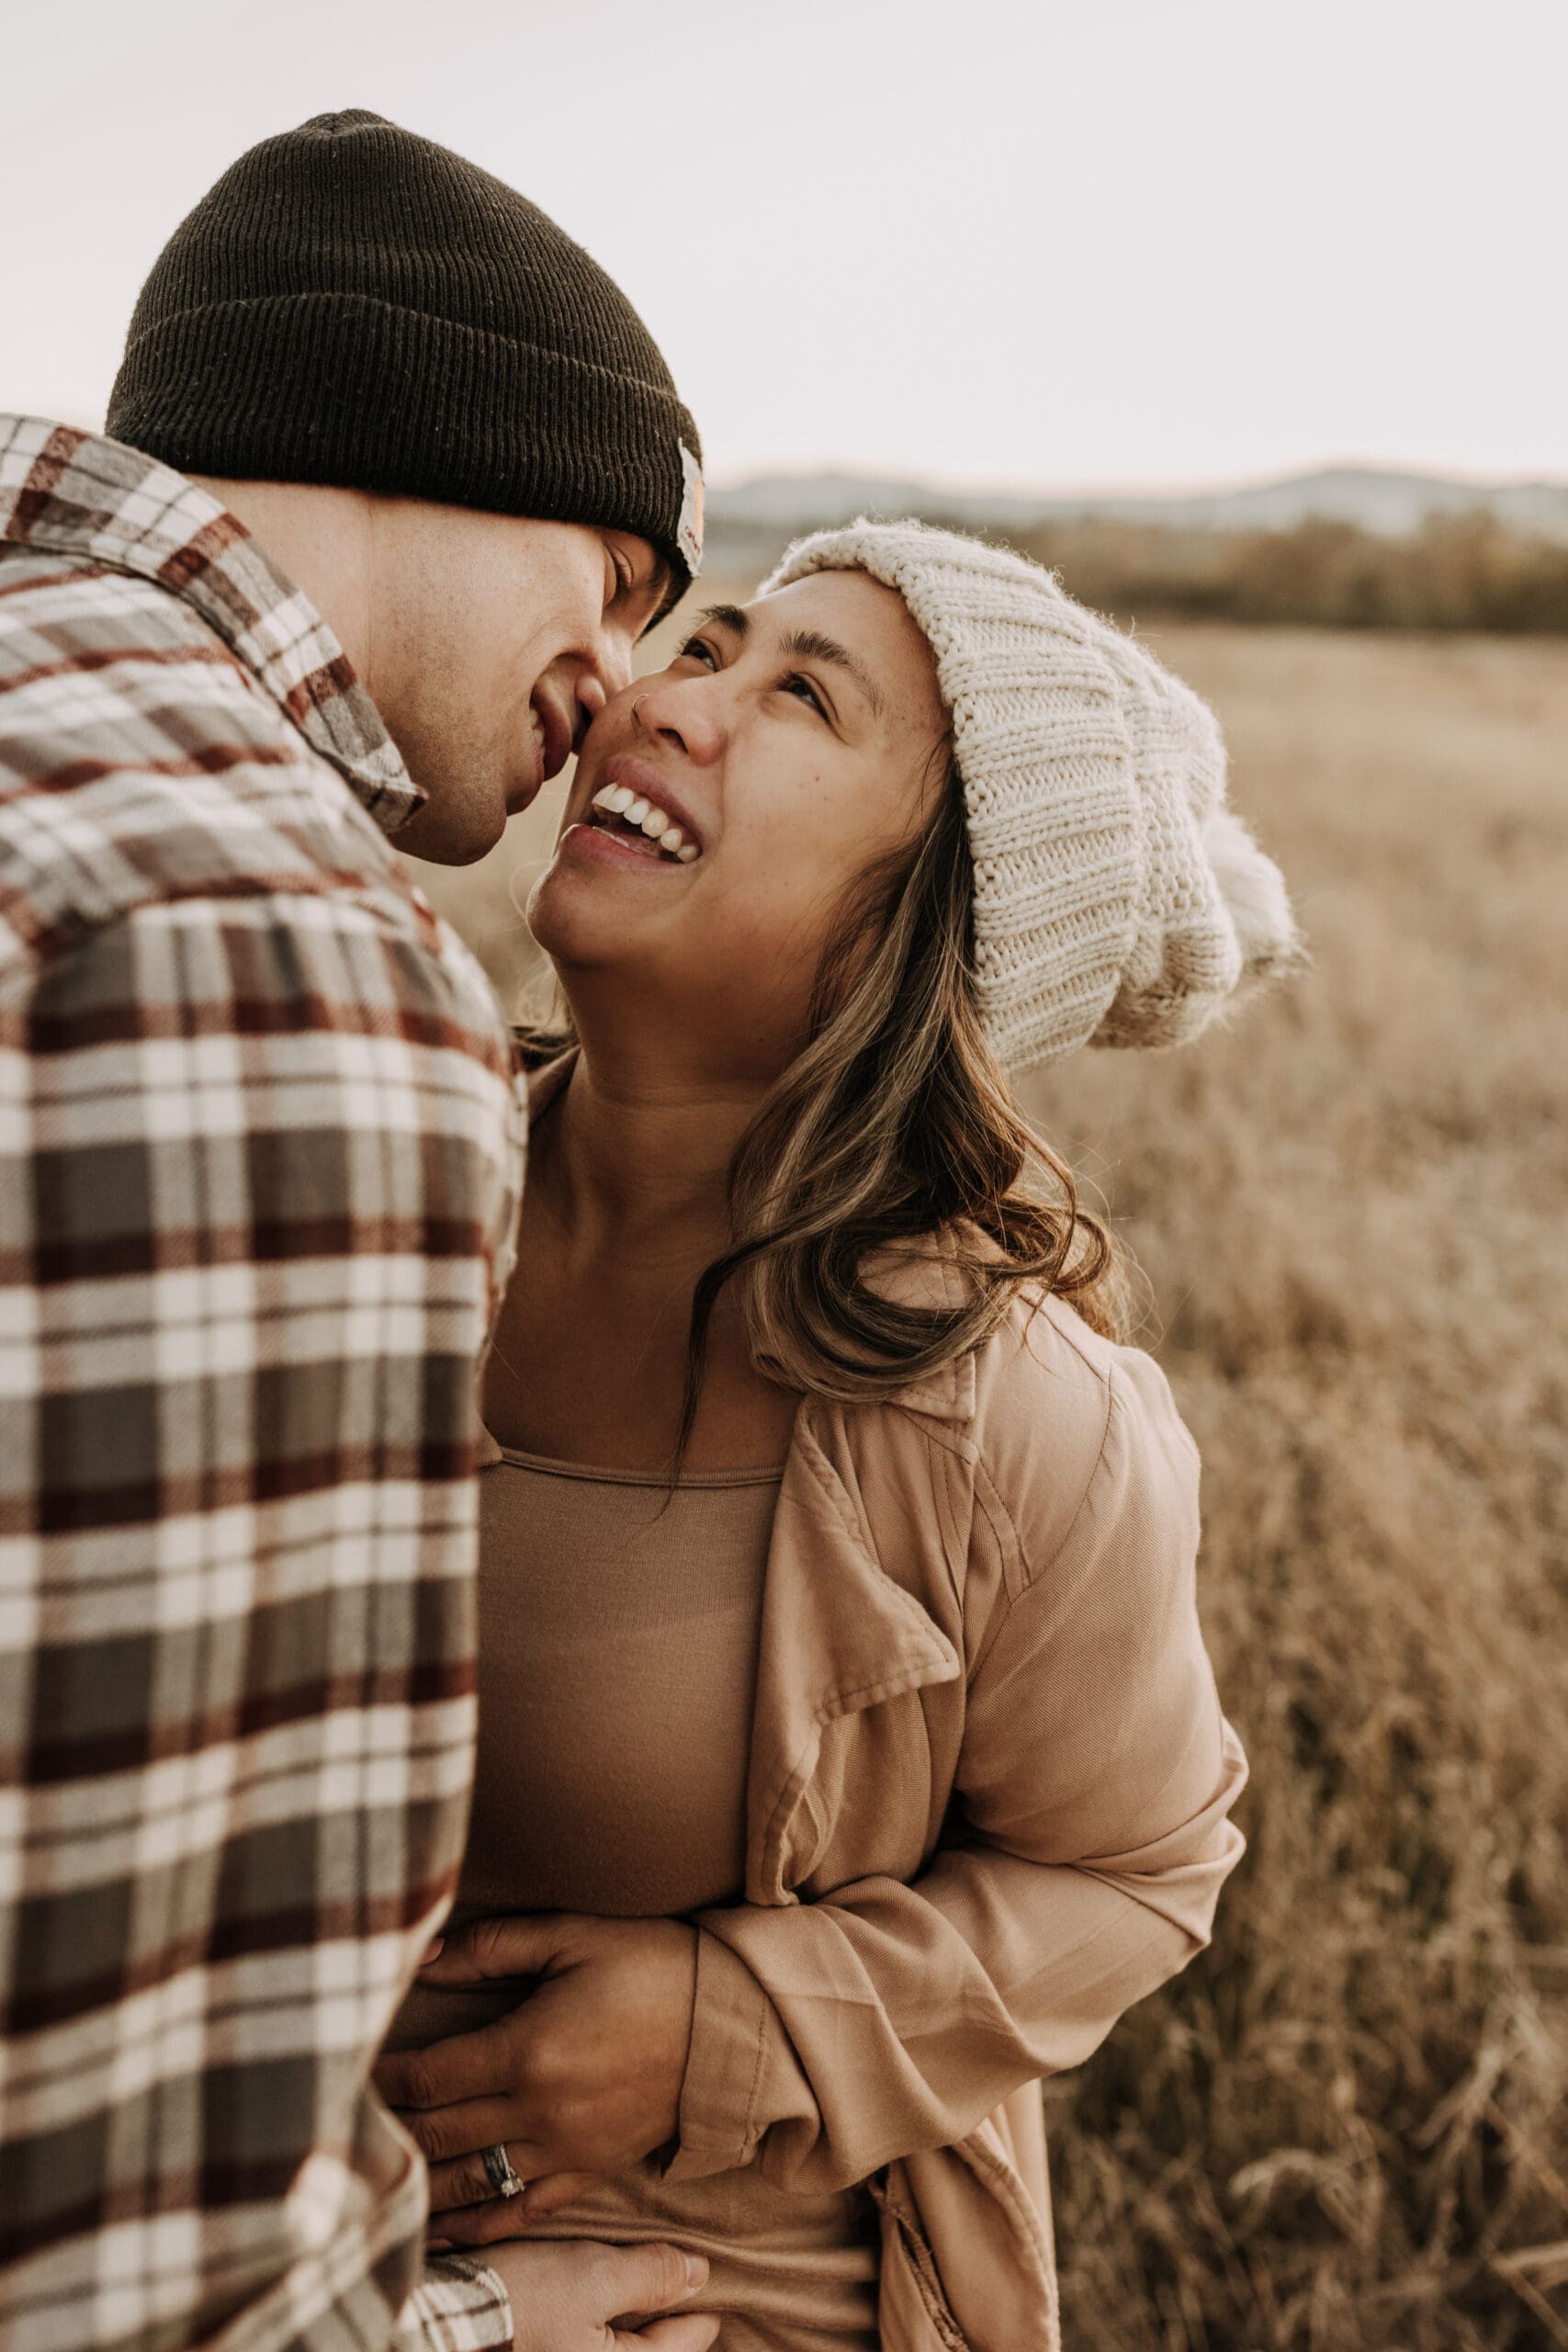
259,1170
459,2306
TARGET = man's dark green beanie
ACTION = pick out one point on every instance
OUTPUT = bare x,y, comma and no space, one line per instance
353,305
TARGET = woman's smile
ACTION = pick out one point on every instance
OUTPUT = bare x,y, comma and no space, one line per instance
634,815
613,847
639,823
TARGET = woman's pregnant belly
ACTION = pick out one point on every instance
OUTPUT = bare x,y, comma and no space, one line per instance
788,2272
791,2274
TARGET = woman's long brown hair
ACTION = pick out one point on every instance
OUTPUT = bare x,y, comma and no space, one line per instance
894,1124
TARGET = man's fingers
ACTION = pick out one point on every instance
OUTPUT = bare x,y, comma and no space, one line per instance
525,1946
629,2279
467,2066
672,2277
693,2333
577,2290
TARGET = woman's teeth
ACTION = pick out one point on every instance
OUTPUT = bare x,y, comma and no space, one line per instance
638,814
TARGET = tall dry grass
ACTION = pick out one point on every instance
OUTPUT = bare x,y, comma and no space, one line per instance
1344,2128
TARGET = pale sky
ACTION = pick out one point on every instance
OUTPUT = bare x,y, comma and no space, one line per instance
1120,243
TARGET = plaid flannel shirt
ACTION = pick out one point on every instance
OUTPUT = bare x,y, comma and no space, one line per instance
260,1152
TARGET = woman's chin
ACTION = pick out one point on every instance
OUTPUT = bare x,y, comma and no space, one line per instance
591,909
575,930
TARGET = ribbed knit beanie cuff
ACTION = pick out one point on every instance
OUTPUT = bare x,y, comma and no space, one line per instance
354,306
1117,900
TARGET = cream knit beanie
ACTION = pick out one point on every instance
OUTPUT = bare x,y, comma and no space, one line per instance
1117,900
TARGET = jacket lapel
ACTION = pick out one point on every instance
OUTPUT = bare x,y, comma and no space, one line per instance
839,1636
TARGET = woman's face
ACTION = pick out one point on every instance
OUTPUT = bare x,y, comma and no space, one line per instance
721,808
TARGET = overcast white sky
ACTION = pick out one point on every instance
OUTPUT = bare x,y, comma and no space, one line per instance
1123,241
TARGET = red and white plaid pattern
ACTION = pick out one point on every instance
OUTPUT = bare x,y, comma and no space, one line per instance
259,1151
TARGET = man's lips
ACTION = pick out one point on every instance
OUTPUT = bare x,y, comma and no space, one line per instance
550,746
556,728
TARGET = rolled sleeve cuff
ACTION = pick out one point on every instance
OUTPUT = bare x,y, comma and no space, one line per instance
731,2023
459,2305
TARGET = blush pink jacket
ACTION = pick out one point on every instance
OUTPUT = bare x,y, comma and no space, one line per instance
987,1810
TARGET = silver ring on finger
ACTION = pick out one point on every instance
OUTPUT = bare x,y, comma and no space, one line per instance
498,2171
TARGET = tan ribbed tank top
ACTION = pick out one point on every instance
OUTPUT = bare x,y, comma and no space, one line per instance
619,1629
618,1634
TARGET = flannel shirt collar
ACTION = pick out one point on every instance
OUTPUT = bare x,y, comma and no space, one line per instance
73,493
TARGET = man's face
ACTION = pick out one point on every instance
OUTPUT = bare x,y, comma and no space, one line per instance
494,641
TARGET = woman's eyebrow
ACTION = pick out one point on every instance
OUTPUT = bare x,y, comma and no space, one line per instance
804,645
729,616
810,645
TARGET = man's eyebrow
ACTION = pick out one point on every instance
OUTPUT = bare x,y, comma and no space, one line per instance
810,645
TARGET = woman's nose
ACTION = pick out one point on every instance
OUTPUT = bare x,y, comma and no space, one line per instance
677,711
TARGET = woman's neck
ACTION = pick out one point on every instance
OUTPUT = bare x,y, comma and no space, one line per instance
641,1144
629,1202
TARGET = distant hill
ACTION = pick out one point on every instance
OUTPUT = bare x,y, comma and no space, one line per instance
750,522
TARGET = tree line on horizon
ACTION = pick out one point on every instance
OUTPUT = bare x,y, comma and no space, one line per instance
1458,572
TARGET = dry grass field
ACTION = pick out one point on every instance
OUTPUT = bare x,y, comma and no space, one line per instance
1344,2128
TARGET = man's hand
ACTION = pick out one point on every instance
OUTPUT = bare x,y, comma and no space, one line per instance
566,2298
583,2078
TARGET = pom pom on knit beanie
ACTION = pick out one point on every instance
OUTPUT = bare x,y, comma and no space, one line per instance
352,305
1118,901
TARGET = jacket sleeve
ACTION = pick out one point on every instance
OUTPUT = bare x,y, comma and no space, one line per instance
1088,1846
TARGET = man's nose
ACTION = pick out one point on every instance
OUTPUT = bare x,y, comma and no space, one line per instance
592,692
615,655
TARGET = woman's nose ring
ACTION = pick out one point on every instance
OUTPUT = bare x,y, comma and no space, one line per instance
636,700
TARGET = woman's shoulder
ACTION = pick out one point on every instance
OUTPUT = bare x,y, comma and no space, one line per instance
1045,1347
1045,1376
1070,1443
1046,1398
1069,1424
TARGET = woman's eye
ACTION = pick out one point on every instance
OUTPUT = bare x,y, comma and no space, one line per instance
804,689
695,650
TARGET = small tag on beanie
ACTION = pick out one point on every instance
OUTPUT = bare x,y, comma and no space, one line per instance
689,532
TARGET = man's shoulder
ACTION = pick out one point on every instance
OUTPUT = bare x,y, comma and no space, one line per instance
63,613
102,667
140,763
